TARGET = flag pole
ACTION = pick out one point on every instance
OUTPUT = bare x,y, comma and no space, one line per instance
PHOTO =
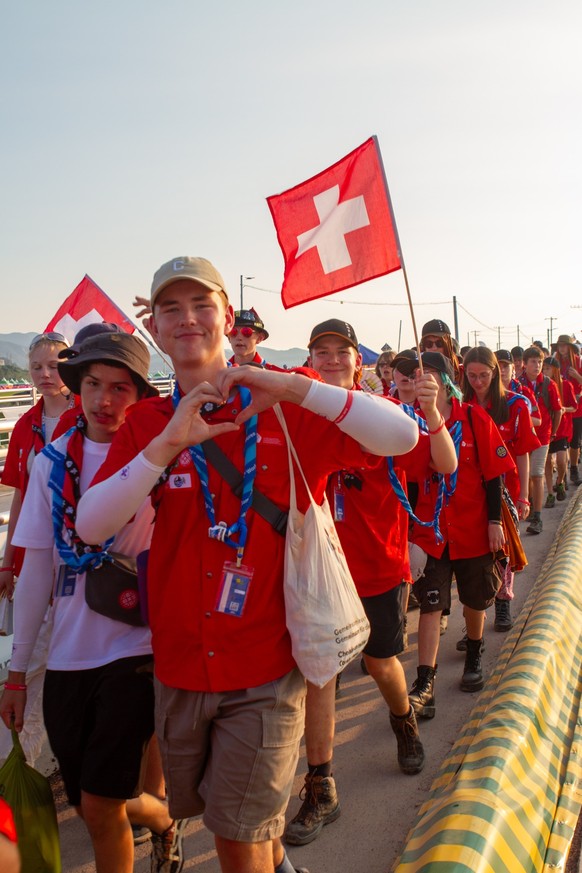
399,250
136,326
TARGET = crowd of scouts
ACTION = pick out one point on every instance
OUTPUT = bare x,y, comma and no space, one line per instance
415,455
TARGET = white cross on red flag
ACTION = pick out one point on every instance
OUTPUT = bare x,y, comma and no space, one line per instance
87,304
336,230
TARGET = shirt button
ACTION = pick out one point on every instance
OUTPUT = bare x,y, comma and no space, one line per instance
209,574
264,467
207,614
211,654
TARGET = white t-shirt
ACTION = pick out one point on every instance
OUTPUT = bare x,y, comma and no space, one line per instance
81,639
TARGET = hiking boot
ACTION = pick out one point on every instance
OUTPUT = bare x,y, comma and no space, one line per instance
503,620
473,675
167,848
462,643
444,623
421,695
535,526
550,501
561,492
410,750
574,476
320,807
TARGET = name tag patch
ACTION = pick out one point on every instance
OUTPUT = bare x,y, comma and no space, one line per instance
180,480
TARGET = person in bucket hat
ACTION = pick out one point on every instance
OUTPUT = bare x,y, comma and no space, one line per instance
98,692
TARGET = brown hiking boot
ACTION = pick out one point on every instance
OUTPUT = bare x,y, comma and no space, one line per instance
410,750
320,807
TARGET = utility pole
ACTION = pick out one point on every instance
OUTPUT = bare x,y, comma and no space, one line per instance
551,319
518,335
456,318
498,337
241,289
475,332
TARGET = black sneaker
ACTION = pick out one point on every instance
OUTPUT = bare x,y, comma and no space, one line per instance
320,807
167,848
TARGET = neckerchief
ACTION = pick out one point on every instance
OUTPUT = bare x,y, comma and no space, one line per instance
222,531
64,482
443,491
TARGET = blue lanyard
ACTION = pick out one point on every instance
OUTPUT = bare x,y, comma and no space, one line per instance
221,531
442,490
89,559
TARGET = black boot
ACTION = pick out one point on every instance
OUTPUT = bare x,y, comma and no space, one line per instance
410,750
421,695
503,620
320,807
473,676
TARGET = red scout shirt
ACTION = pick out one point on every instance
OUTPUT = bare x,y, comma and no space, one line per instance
543,430
566,426
373,529
564,367
22,443
520,438
464,520
195,646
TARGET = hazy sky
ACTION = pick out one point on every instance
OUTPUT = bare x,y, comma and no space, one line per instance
136,131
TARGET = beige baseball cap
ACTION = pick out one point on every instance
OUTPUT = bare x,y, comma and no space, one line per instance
196,269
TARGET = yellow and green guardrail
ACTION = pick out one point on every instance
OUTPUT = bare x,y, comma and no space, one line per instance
508,796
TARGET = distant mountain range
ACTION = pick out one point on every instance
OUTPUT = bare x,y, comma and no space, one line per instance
14,349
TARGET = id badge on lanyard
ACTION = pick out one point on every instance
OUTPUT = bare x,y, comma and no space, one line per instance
234,589
338,501
66,581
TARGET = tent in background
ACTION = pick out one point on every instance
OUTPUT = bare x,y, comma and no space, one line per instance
369,357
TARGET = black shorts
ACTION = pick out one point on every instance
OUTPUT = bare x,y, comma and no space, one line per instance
385,614
477,578
98,723
576,441
559,445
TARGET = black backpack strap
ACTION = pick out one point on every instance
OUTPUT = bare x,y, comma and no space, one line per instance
265,507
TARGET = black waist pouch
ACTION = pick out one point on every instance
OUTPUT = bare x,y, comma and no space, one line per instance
112,590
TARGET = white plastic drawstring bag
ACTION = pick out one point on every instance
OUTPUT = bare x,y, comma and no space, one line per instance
324,614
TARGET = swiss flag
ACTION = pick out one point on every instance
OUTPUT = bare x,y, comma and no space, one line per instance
87,304
336,230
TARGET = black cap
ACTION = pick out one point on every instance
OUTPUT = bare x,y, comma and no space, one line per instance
334,327
249,318
121,349
552,362
404,355
504,355
434,360
93,329
436,327
517,352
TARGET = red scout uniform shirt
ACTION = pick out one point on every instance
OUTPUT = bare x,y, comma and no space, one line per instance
544,430
520,438
464,520
195,646
373,530
23,442
566,427
564,367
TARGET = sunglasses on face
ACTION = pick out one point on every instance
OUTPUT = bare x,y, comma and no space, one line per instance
245,331
433,344
47,337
